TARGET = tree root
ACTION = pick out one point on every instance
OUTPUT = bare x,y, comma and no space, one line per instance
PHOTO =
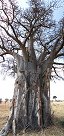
6,129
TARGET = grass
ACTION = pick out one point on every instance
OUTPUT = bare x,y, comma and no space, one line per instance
4,113
55,130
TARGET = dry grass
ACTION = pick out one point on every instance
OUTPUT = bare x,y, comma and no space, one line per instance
58,108
55,130
4,113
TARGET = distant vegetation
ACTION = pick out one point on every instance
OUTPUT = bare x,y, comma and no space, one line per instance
55,97
0,100
6,100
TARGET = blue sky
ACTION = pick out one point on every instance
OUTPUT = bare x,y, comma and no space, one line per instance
58,10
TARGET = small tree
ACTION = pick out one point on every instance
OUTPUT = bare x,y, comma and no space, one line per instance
6,100
55,97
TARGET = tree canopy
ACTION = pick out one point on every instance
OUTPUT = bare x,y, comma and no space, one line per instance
18,26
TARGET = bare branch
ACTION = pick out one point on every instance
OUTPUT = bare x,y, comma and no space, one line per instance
58,63
57,74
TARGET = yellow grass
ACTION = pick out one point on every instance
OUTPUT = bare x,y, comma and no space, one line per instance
4,113
58,108
54,130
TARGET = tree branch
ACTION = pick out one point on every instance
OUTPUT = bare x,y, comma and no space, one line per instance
58,63
57,73
22,46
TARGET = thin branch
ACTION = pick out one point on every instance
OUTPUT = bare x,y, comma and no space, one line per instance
14,38
3,58
8,33
57,74
58,63
51,40
13,30
59,55
5,50
22,25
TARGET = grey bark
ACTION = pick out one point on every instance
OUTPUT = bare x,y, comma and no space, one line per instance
31,107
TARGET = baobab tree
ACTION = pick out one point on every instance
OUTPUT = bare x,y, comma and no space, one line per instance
31,38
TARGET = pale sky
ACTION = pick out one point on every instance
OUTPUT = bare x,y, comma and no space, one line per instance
57,85
7,85
57,89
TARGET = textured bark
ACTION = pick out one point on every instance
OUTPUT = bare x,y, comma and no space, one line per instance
31,99
5,130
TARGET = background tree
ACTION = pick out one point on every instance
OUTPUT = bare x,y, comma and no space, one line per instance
0,100
6,100
55,97
34,42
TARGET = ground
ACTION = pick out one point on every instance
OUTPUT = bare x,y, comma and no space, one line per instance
54,130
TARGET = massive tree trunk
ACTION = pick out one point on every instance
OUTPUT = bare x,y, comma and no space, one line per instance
31,99
32,96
